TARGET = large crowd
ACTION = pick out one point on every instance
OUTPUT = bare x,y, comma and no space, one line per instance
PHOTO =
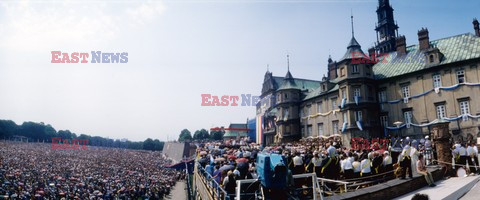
326,157
36,171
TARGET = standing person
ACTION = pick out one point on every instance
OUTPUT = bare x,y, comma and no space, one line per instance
366,167
229,184
377,163
387,163
357,168
406,162
414,156
298,167
421,169
463,156
471,158
317,164
428,150
347,167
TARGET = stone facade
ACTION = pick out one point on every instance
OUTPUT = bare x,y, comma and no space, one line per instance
365,95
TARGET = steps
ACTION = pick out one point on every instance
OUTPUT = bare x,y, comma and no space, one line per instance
452,188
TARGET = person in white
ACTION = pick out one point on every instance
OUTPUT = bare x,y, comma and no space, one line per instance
357,168
347,167
366,167
414,156
387,162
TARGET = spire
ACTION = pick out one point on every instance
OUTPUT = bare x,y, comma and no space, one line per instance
351,17
267,68
288,63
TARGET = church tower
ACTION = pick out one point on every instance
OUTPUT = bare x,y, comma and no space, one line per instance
386,28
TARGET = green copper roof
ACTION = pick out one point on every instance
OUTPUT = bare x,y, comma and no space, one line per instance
353,48
301,84
456,48
318,91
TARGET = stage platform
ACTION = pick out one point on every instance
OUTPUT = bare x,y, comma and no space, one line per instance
452,188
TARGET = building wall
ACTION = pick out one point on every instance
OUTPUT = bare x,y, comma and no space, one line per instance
424,108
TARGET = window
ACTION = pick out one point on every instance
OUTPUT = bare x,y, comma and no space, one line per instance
334,103
335,127
437,81
320,129
319,107
287,129
309,130
441,111
382,96
308,109
286,96
324,88
358,115
406,91
431,58
369,92
356,92
461,76
344,93
407,115
464,107
354,68
345,117
285,113
342,71
384,120
302,113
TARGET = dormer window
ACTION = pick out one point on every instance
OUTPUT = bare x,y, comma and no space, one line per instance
431,59
354,68
324,88
286,96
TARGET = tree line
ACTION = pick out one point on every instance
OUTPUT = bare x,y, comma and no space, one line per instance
40,132
202,134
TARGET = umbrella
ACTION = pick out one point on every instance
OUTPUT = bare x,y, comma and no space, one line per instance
226,167
241,160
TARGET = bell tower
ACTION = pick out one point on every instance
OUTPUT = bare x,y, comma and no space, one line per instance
386,28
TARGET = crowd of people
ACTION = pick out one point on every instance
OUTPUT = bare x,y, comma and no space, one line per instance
36,171
326,157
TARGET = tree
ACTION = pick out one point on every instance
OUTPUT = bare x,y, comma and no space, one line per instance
148,144
201,134
184,135
216,135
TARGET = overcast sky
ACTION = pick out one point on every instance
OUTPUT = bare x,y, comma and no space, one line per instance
178,50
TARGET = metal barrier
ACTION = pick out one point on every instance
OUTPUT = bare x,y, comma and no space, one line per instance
208,182
323,180
315,184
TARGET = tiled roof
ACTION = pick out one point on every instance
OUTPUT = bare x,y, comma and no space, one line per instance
353,48
237,126
301,84
456,48
318,91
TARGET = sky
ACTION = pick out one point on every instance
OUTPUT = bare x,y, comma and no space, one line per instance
178,50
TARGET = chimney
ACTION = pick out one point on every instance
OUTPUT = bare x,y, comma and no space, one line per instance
423,39
401,44
475,26
371,53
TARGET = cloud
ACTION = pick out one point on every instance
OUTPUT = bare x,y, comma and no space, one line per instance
35,26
